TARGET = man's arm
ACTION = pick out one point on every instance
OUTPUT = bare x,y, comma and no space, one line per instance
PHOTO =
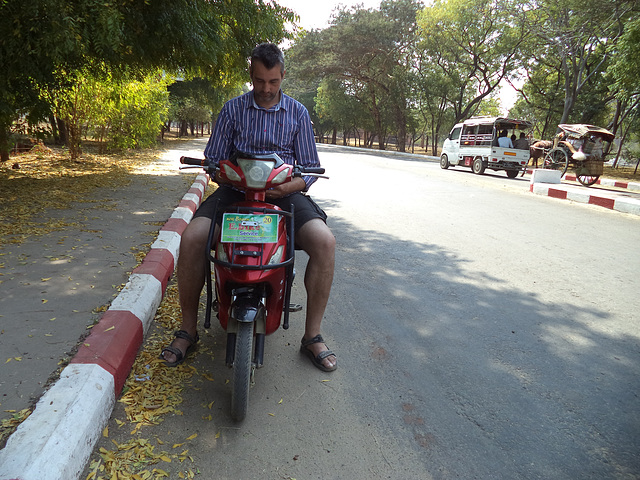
305,147
219,145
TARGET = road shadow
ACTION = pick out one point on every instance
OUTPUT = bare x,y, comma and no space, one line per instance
553,385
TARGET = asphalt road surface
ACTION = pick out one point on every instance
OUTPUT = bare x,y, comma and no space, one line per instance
482,332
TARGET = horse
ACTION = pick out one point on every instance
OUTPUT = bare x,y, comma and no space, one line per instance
538,149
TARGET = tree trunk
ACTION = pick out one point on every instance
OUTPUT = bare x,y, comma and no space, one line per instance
62,131
4,144
401,120
54,129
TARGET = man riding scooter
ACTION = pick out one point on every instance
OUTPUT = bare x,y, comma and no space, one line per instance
264,120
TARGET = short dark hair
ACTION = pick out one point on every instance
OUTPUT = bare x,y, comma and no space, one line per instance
269,55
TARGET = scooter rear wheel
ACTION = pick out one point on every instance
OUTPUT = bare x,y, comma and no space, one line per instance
241,379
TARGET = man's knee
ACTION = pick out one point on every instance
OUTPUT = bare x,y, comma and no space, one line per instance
195,236
327,240
316,238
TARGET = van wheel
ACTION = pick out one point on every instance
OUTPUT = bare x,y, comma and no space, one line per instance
478,166
444,161
512,173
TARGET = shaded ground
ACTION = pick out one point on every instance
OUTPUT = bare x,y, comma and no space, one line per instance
70,235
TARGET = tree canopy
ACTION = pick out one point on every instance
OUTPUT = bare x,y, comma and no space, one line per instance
43,42
415,66
404,71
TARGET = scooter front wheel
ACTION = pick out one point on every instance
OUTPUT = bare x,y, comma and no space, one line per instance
241,378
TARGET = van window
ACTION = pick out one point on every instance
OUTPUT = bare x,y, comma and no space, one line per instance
468,137
455,133
469,129
485,135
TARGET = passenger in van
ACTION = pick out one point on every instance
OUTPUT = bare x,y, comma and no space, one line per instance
513,139
522,143
504,141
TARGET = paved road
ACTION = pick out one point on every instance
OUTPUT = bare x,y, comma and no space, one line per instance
482,332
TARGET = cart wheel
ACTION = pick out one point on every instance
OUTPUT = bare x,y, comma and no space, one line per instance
557,159
588,180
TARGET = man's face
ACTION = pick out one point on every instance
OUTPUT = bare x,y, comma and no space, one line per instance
266,84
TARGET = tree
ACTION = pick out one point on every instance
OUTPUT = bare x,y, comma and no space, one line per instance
624,72
541,100
194,101
300,81
369,52
336,107
576,33
432,93
42,39
476,45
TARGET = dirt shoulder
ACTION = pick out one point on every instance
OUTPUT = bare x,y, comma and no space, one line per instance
70,235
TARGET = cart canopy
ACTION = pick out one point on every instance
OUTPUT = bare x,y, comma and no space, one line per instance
581,130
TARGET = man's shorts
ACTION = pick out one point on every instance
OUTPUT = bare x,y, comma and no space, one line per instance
305,208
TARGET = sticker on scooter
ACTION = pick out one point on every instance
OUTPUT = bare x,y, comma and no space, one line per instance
249,228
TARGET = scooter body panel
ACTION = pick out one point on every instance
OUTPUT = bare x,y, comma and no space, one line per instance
271,282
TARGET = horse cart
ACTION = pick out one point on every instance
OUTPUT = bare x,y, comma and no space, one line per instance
580,146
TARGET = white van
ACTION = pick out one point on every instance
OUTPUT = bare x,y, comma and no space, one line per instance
474,143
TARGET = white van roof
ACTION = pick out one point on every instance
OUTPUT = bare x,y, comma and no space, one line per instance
504,122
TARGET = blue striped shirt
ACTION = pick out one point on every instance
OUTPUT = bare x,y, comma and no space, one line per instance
284,129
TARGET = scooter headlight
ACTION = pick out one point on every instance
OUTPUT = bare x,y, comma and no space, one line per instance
277,257
280,178
256,172
231,174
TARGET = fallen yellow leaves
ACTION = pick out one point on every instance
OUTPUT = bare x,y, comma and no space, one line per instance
151,391
133,460
9,424
63,180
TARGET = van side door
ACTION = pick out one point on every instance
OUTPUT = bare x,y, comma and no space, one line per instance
453,145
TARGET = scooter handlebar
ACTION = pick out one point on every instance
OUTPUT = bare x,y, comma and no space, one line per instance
312,170
197,162
298,171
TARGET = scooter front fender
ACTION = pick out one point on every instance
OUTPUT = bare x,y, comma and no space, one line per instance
247,309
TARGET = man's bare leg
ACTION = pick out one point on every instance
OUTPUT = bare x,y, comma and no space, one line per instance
316,239
191,278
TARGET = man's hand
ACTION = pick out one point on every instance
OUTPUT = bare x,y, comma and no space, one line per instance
218,178
295,185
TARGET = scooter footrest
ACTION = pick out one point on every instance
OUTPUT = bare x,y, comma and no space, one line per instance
295,307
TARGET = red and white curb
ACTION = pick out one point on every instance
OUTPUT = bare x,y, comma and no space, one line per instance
581,195
55,442
609,182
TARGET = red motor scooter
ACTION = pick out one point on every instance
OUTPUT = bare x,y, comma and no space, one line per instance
252,253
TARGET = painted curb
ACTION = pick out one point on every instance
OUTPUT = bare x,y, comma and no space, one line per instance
577,194
609,182
57,439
